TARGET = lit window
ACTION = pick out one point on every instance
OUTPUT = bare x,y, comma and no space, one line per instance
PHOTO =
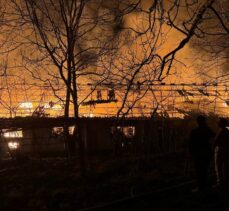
13,134
129,131
60,130
13,145
71,130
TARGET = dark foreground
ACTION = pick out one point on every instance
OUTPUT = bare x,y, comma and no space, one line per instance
145,183
179,199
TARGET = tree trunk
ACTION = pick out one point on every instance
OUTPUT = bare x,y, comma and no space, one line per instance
78,131
66,115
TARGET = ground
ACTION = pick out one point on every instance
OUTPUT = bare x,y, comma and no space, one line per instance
56,184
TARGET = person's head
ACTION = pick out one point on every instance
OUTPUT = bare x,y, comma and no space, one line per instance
201,120
222,123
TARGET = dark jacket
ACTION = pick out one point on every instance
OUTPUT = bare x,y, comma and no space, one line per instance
199,145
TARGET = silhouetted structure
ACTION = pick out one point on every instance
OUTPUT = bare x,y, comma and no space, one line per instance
222,153
200,149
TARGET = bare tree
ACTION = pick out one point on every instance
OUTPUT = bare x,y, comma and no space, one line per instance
146,57
123,46
212,43
70,39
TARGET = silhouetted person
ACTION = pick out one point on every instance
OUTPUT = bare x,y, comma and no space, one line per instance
200,149
222,153
99,95
117,137
111,94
